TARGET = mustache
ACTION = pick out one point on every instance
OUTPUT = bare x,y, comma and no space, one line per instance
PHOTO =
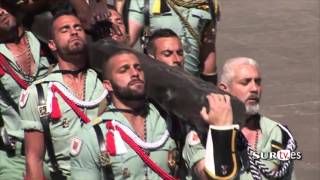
253,96
179,64
75,39
137,80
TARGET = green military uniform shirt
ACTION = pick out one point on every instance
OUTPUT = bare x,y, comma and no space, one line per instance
197,18
13,167
12,120
85,163
270,131
65,127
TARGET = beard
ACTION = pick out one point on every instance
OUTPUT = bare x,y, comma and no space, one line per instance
252,109
9,31
125,93
74,48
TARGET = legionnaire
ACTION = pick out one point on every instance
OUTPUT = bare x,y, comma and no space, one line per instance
241,77
164,45
131,140
58,105
22,61
107,152
194,23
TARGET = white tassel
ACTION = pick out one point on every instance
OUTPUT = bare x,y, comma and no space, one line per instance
119,143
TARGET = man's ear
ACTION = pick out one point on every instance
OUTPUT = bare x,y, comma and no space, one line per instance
52,45
223,86
107,85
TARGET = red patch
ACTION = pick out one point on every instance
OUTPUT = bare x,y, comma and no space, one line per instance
76,144
23,98
193,138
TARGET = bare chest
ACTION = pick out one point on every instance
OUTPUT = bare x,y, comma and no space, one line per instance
23,56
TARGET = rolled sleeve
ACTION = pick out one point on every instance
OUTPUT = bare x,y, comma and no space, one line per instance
29,112
193,153
135,11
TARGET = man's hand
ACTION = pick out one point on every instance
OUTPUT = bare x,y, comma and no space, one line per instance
199,170
90,15
220,111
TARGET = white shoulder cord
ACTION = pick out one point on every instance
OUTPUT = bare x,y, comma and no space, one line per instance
141,143
69,95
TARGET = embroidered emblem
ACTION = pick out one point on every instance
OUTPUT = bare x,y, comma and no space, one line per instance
126,173
224,169
193,138
23,98
42,110
65,123
105,159
75,146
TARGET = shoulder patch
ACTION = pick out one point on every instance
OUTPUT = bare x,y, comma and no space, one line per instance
23,98
193,138
76,144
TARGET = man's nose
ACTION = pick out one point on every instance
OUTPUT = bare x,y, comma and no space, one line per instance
134,72
2,12
254,86
177,57
73,31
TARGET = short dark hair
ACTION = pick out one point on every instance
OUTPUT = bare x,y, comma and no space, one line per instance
9,6
159,33
59,14
106,61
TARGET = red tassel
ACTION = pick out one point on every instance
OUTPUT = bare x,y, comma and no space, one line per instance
56,113
111,147
2,72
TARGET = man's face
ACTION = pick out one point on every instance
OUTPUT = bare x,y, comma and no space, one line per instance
68,36
246,85
7,21
126,78
119,29
169,50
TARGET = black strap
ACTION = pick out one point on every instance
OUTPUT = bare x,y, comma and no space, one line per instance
4,95
73,72
146,14
106,169
44,118
57,176
211,4
146,30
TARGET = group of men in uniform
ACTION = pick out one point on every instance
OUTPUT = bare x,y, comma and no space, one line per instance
62,122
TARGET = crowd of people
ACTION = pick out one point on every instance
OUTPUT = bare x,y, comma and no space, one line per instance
62,118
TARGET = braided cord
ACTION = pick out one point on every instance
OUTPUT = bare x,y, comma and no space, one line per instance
69,95
257,166
190,3
140,142
185,22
